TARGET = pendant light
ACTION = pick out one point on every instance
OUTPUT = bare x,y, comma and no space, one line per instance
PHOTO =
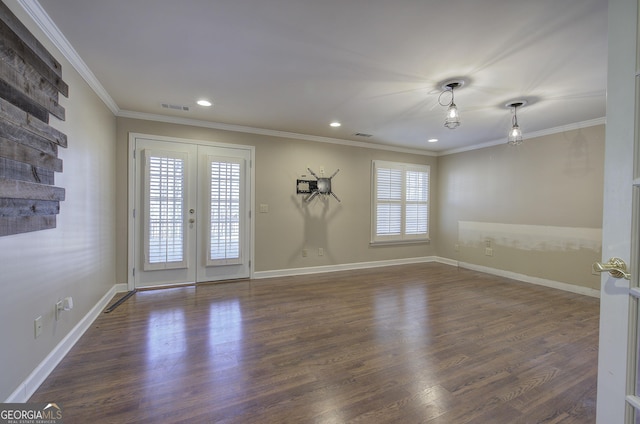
515,133
452,119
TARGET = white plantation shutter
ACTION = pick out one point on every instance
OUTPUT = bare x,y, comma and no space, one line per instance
416,197
400,202
225,206
389,202
164,210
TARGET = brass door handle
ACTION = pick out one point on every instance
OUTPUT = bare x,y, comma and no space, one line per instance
616,267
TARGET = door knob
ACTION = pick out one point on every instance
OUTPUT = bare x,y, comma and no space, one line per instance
615,267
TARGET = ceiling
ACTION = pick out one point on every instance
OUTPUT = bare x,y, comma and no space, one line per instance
376,66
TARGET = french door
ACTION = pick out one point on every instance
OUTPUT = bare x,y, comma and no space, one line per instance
190,211
619,350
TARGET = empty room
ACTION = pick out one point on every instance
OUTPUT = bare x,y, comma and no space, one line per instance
319,212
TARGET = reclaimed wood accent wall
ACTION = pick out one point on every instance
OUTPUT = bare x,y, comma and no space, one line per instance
30,80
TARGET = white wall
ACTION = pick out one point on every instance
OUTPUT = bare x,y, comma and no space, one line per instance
75,259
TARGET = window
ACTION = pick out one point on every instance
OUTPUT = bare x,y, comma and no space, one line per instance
400,210
164,206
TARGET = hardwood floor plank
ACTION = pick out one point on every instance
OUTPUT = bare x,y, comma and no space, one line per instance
423,343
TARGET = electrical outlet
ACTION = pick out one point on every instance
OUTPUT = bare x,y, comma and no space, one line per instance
320,251
456,247
487,243
488,251
304,253
37,327
59,308
264,208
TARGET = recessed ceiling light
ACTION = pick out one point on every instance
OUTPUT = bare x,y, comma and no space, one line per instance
335,124
432,140
204,102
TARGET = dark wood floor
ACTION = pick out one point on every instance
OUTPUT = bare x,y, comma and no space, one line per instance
426,343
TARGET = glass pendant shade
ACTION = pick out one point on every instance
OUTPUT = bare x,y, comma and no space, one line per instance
453,118
515,135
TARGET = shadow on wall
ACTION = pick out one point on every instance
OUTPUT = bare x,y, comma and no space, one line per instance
316,216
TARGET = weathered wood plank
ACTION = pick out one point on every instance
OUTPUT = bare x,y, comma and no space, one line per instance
31,90
30,82
25,190
18,135
13,170
12,59
10,225
22,119
24,102
7,16
14,46
26,207
25,154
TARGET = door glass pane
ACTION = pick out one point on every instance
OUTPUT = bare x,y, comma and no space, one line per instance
634,315
636,391
164,207
224,228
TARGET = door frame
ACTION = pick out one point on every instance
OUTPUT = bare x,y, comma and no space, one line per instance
618,326
131,199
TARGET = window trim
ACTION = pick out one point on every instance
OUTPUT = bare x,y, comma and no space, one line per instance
401,238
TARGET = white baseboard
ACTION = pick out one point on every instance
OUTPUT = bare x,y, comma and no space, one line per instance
28,387
493,271
533,280
342,267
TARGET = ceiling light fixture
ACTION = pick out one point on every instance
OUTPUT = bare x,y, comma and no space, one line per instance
515,133
335,124
452,120
205,103
432,140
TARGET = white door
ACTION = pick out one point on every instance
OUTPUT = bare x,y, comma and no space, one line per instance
190,212
223,202
618,352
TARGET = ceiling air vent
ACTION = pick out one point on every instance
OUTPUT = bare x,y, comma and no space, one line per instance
365,135
175,107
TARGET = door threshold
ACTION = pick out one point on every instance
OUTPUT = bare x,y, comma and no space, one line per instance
166,286
231,280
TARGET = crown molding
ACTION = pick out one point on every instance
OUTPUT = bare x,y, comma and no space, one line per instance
266,132
534,134
44,22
